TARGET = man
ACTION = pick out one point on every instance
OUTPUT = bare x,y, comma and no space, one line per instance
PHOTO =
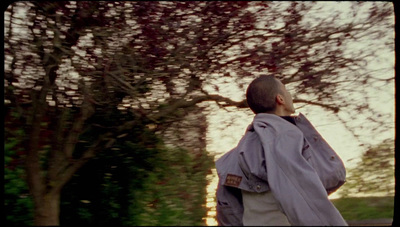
274,176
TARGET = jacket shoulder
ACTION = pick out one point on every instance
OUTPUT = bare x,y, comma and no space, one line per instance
276,125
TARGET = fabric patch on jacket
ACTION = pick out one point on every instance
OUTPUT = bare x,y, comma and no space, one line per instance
233,180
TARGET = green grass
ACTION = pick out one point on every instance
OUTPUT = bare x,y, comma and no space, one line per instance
364,208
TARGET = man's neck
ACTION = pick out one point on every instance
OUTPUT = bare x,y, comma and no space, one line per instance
282,112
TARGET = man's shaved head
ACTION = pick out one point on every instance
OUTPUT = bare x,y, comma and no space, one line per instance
261,94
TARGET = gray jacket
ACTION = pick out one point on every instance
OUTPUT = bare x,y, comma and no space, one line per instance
277,155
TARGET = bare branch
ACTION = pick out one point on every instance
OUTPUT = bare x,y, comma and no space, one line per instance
74,165
73,135
333,108
225,102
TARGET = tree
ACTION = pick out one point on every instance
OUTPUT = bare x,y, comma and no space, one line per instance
139,181
66,61
17,203
373,174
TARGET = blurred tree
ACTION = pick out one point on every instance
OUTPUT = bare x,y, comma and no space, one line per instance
373,174
66,61
138,181
18,206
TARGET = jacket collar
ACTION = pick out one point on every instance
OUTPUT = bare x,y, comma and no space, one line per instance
290,119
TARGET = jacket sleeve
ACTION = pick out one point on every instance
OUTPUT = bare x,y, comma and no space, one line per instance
296,185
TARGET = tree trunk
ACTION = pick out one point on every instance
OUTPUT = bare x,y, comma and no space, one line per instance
46,202
47,210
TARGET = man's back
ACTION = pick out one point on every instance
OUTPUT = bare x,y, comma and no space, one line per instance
274,156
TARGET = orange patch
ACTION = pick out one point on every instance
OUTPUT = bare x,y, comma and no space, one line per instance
233,180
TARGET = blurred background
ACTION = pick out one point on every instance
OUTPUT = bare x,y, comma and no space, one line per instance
116,111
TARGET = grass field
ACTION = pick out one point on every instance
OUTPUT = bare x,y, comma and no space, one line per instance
365,208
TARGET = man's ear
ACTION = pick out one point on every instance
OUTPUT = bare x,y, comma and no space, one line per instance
280,99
